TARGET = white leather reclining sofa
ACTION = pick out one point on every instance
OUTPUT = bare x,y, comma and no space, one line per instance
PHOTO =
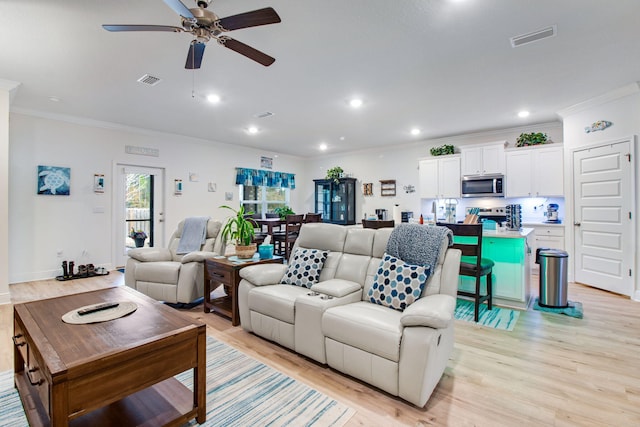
401,352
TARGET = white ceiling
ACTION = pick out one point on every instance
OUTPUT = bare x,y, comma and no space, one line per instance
444,66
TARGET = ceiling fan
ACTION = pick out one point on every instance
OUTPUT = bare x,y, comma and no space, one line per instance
206,25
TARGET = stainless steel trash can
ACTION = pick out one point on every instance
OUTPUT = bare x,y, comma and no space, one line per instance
553,277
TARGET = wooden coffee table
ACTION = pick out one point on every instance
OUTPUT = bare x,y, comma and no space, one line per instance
118,372
225,271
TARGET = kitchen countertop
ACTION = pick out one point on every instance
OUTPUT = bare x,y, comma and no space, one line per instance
507,234
545,224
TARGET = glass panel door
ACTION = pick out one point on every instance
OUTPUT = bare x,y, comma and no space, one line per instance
139,211
323,200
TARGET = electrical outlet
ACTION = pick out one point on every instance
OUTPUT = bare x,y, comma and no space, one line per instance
60,253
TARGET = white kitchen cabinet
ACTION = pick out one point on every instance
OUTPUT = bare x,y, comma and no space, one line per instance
439,178
483,160
546,236
534,172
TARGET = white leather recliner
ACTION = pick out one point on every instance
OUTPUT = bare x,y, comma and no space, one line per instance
166,276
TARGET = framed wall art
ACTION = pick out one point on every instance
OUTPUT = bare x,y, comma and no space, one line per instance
54,181
98,183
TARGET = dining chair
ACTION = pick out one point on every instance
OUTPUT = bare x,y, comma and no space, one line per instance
312,217
259,235
472,263
378,223
284,239
272,215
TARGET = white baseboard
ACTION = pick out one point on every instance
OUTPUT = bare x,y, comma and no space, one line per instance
636,295
5,298
46,274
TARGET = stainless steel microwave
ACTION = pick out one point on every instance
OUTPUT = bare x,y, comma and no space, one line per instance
483,186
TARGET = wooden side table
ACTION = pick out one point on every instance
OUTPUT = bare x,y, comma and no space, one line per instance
226,271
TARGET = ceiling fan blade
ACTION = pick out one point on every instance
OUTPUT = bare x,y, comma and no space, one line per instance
179,8
246,50
250,19
194,57
142,28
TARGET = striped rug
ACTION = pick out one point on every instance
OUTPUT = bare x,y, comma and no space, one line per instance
497,317
240,392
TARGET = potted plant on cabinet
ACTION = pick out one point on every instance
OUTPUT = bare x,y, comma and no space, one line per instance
239,230
533,138
335,174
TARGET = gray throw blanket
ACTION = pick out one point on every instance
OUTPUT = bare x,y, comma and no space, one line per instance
418,244
194,234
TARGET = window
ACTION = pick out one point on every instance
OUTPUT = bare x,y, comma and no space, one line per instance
262,199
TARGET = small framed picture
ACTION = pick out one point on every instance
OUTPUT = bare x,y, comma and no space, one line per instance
266,162
178,187
98,183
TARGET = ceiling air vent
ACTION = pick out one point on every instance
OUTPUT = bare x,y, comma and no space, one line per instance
533,36
150,80
263,115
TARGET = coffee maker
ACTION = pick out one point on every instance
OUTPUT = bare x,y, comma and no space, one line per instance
552,213
381,214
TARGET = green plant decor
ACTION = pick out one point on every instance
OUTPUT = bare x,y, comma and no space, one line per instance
335,174
237,229
283,211
526,139
442,150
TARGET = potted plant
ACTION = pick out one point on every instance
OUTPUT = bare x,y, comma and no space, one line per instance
283,211
138,236
526,139
240,231
442,150
335,174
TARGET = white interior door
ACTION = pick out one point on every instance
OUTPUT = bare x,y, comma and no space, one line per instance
139,206
604,201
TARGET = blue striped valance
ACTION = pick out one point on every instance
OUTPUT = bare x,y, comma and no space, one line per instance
247,176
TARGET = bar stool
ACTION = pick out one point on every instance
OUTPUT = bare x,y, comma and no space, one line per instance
472,264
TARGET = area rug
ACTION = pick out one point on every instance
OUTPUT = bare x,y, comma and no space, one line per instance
574,309
240,392
497,317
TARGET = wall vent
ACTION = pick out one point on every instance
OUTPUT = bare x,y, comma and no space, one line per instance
150,80
263,115
533,36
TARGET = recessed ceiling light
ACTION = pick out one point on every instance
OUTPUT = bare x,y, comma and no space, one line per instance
355,103
323,147
252,130
342,138
523,114
213,98
415,131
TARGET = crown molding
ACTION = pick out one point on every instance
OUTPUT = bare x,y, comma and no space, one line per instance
11,87
613,95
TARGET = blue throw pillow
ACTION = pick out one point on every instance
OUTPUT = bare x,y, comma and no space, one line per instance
305,267
397,284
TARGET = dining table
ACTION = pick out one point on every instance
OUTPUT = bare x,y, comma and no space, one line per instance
270,223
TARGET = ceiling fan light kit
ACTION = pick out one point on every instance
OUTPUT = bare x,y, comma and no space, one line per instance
205,25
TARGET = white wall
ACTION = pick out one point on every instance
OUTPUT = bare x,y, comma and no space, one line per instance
5,99
41,225
622,108
401,163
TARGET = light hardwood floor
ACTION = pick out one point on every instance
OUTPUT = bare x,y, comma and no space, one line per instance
551,370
